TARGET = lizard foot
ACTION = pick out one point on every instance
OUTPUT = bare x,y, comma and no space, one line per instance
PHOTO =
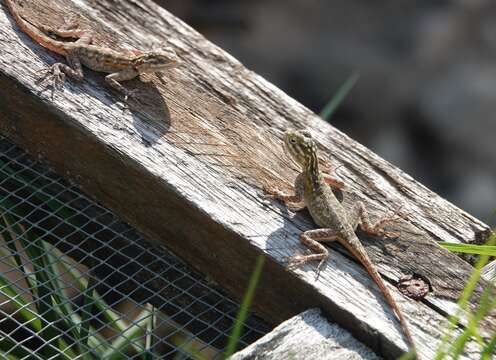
397,215
130,94
378,229
299,260
291,202
54,76
380,232
71,22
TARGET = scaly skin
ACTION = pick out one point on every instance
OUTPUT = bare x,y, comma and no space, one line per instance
313,191
121,65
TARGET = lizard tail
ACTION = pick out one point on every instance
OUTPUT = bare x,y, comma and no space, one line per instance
35,33
367,263
403,322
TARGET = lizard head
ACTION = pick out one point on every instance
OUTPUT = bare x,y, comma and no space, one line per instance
301,147
157,60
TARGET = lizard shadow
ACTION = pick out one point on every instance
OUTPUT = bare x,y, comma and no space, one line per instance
286,238
150,114
149,111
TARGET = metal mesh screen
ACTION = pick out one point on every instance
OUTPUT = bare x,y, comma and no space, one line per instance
76,282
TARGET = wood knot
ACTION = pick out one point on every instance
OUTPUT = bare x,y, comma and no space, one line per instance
414,286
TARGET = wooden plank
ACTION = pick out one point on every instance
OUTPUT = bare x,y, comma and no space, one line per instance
307,336
186,161
489,272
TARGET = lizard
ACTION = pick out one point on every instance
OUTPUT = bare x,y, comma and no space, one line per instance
313,190
121,65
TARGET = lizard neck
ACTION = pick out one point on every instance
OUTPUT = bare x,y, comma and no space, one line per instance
312,172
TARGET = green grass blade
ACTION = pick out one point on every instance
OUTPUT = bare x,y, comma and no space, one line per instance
95,342
442,350
54,205
71,322
490,349
149,343
407,356
111,318
485,306
127,338
60,303
11,347
20,304
245,305
43,295
8,356
470,249
12,231
87,313
51,303
343,91
42,292
8,237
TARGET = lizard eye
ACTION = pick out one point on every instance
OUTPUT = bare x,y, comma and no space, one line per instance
292,140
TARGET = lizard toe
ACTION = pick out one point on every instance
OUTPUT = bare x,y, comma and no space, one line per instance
130,94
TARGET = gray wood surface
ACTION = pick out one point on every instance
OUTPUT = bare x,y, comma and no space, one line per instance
307,336
186,161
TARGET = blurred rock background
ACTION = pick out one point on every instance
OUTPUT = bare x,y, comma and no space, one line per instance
426,97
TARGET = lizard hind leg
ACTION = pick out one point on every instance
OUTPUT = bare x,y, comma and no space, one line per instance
71,29
312,239
374,229
122,75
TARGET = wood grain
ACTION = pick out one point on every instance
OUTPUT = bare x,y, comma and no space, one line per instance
186,161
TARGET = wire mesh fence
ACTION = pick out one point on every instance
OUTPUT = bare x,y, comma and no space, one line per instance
77,282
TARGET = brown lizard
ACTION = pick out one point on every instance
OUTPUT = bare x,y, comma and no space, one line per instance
313,190
121,65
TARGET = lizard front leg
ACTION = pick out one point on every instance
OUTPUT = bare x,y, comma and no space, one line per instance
126,74
333,182
329,179
294,202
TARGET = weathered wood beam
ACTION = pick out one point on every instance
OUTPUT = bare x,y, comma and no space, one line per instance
186,161
307,336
